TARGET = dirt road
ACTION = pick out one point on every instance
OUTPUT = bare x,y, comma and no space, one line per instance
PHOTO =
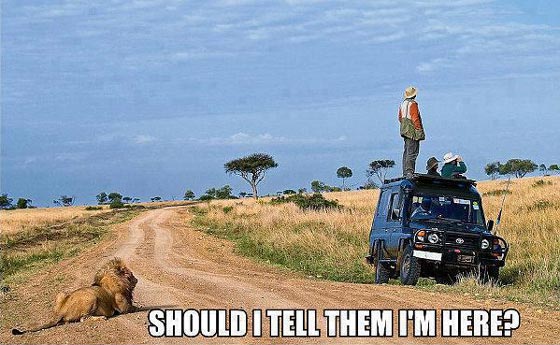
180,267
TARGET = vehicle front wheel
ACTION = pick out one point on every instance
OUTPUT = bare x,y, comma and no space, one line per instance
410,267
382,271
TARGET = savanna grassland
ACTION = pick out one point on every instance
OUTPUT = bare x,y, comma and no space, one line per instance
33,238
23,219
332,244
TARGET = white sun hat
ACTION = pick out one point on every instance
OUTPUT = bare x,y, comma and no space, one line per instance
449,157
410,92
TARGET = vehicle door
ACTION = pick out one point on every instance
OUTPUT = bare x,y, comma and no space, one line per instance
379,230
394,221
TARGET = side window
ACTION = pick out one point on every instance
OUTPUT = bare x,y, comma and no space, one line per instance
394,208
382,207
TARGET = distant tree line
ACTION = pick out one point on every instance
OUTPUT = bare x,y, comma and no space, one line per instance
518,168
253,169
6,203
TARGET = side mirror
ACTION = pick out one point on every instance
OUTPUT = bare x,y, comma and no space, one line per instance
490,225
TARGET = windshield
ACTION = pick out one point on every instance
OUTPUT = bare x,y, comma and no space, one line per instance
450,208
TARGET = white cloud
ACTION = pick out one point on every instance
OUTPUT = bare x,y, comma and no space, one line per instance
242,138
463,30
432,65
143,139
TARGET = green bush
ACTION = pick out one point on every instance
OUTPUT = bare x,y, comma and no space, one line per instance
315,202
227,209
541,183
496,192
93,208
540,205
116,203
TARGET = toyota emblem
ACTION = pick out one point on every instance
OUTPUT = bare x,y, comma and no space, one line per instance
460,240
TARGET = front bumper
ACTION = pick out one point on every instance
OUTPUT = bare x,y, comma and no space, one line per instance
468,255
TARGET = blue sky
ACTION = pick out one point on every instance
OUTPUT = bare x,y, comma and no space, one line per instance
150,97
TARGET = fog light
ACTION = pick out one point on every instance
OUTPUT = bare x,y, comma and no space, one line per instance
433,238
484,244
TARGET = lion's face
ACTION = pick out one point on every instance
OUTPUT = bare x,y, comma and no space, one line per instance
128,276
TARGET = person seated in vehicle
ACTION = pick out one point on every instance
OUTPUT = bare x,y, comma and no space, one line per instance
432,166
454,166
423,211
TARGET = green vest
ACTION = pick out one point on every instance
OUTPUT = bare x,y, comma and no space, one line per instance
407,126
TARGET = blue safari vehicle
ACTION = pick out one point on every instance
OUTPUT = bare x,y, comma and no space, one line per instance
433,227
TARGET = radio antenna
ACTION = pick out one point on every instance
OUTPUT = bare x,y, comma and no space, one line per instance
499,218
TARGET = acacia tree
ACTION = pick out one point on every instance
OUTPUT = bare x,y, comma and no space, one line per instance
318,186
251,168
24,203
114,197
518,167
102,198
544,169
553,168
65,201
5,201
492,169
189,195
380,168
344,173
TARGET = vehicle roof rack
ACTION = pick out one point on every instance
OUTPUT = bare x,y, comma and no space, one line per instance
425,177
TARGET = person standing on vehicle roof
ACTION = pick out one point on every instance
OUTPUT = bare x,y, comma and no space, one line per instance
454,166
411,130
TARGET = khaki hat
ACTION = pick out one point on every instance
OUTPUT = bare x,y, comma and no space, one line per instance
432,162
449,157
410,92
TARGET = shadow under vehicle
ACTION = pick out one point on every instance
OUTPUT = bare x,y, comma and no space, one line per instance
426,226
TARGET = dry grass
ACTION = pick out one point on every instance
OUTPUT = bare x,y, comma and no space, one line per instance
20,220
332,244
36,246
17,220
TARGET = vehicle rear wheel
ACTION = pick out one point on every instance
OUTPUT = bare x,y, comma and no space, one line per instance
489,274
382,271
410,267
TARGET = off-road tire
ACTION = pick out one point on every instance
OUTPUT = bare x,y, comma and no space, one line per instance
382,271
410,267
489,274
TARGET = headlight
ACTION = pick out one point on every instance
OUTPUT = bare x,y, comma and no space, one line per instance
420,235
433,238
484,244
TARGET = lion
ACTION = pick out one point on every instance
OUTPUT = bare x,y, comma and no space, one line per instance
110,294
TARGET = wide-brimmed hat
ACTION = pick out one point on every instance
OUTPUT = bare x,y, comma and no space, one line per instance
432,162
449,157
410,92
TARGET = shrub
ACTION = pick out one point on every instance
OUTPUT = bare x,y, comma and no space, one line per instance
541,183
116,203
315,202
540,205
496,192
227,209
93,208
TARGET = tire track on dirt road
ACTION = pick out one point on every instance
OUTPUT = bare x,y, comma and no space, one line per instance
181,267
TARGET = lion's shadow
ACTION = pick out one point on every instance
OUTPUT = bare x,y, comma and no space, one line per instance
151,307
